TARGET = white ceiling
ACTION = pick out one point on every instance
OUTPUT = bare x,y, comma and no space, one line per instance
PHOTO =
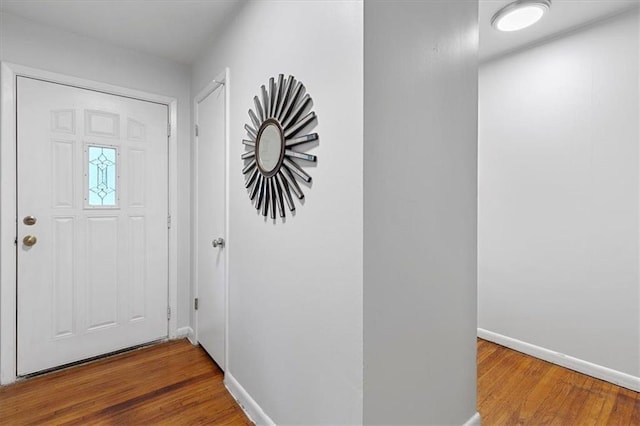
173,29
179,29
563,16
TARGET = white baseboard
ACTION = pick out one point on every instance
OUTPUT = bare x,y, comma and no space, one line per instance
585,367
186,332
248,405
474,420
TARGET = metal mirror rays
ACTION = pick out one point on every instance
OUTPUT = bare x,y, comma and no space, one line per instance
276,126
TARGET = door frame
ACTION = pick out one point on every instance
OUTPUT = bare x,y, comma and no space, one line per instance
221,80
8,199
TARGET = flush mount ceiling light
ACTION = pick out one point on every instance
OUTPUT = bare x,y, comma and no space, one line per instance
519,14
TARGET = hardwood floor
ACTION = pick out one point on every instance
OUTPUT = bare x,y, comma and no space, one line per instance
516,389
170,383
177,383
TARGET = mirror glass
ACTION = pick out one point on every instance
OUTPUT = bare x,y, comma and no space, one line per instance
269,148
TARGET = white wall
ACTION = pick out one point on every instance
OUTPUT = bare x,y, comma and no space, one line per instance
420,155
296,287
27,43
558,195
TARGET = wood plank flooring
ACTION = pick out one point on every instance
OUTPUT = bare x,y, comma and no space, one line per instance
177,383
516,389
170,383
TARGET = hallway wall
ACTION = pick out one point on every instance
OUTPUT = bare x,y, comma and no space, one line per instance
295,325
559,195
420,189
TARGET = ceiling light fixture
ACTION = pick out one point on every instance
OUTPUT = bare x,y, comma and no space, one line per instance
520,14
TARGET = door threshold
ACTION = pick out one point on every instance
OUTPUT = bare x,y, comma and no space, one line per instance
90,360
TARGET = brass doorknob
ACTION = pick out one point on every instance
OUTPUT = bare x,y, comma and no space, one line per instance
29,240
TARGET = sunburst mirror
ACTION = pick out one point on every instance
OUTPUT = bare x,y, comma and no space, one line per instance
277,126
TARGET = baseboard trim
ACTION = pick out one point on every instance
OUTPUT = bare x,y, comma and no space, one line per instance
475,420
585,367
248,405
187,332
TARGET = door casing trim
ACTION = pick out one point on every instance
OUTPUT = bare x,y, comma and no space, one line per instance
8,199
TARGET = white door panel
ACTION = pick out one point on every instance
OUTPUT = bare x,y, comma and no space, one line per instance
92,170
210,224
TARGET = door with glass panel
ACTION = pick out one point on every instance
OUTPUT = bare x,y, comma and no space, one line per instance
92,237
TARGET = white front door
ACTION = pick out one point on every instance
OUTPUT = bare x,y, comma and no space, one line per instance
92,173
210,220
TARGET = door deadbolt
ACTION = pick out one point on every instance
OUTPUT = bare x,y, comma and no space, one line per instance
218,242
29,220
29,240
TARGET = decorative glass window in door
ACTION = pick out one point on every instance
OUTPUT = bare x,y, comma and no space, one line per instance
102,176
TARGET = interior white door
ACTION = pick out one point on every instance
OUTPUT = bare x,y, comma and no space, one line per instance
92,174
210,224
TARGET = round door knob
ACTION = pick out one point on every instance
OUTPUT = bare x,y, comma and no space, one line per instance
29,220
218,242
29,240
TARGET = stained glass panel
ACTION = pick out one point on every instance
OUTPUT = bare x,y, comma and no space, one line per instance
102,176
